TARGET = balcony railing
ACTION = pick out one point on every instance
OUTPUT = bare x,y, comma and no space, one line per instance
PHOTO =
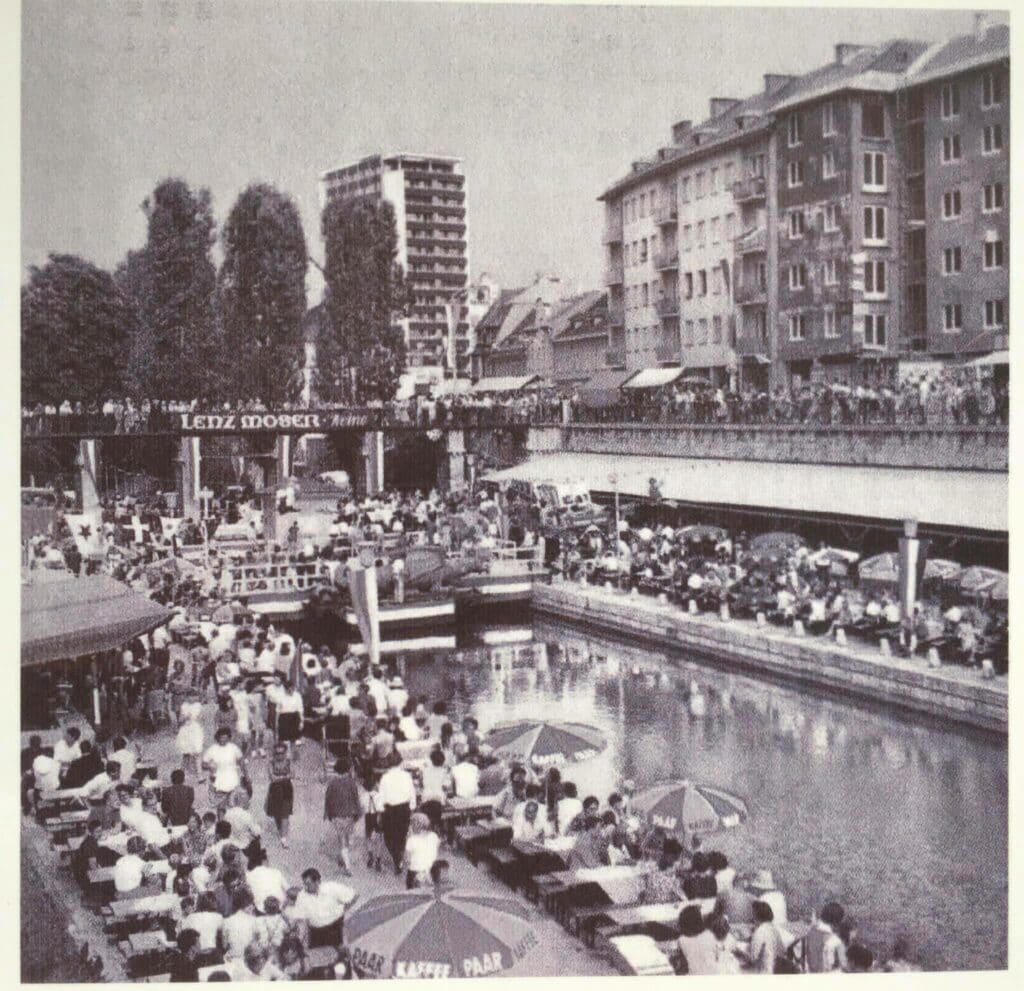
749,189
612,232
667,258
667,306
749,292
751,242
666,213
613,274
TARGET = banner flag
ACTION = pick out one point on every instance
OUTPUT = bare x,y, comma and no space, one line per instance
87,529
362,583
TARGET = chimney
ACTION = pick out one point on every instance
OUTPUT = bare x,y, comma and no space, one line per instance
774,81
721,104
639,165
981,25
845,52
681,130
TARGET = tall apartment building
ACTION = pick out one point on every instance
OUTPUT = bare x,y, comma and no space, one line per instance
827,225
428,195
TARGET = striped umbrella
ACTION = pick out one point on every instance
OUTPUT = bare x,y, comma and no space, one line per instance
547,743
438,933
686,808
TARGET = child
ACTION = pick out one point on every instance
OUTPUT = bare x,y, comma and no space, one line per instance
375,848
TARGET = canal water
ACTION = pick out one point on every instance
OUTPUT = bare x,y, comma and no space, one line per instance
902,821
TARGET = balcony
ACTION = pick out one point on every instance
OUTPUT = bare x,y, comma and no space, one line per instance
751,242
666,259
616,314
613,274
666,214
749,190
667,306
750,293
612,232
667,350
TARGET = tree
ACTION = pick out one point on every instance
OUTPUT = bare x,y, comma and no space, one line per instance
176,351
74,333
262,295
360,350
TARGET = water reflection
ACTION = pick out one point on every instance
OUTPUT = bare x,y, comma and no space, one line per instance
903,822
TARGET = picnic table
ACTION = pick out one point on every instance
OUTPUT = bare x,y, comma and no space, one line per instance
159,906
639,955
569,895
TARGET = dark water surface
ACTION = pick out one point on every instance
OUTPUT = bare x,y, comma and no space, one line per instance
902,821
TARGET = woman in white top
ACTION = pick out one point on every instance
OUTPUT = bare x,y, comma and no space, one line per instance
225,759
288,705
190,736
421,848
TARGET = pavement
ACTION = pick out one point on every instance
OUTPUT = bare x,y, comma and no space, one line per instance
556,953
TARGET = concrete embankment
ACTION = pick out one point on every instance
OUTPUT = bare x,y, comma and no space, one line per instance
953,693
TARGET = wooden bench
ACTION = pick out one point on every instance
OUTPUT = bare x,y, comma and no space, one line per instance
502,863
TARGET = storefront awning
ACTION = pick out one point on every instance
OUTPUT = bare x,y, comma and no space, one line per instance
652,378
995,358
974,500
755,359
66,619
602,388
507,383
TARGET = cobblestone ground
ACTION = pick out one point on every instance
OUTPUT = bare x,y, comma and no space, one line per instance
309,846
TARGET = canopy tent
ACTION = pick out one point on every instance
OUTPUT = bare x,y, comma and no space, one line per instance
652,378
602,388
83,616
507,383
987,360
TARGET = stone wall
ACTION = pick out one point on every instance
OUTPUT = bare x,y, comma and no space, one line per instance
952,693
968,448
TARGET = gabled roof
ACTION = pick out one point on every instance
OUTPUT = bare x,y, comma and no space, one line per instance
498,310
962,53
565,324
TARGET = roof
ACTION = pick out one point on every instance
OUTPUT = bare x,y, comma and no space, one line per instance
81,616
505,383
974,500
565,323
962,53
498,310
652,378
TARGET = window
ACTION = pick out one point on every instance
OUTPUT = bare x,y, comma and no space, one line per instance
993,254
951,204
699,185
795,130
874,330
714,181
828,119
798,277
702,331
828,164
830,218
992,139
951,148
829,272
952,317
730,169
873,119
796,174
830,323
643,204
951,261
761,274
702,283
701,235
688,339
643,250
874,279
730,226
717,281
684,189
991,90
688,285
715,230
687,236
797,327
644,299
755,166
716,330
950,101
993,197
994,313
874,225
796,223
874,170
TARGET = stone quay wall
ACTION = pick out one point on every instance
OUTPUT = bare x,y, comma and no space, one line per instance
956,694
963,448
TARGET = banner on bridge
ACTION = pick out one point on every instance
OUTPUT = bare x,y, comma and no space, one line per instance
306,421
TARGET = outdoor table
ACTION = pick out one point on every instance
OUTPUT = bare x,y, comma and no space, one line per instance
659,921
163,905
144,953
594,887
636,955
540,858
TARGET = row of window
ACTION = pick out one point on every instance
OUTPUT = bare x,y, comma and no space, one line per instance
873,327
992,257
991,201
875,222
991,143
872,121
993,316
991,95
637,252
875,277
873,177
696,332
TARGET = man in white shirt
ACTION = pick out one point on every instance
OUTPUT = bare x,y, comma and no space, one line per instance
421,849
245,831
46,771
238,929
69,748
321,906
131,870
568,808
466,777
530,822
97,787
124,757
266,882
410,728
148,826
397,793
397,695
378,691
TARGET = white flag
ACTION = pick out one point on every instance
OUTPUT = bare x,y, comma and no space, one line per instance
87,529
169,526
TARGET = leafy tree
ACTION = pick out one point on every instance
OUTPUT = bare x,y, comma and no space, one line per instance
262,295
176,351
74,333
360,349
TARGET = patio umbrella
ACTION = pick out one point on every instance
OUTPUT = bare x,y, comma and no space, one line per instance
776,541
1000,591
882,569
546,743
222,614
980,579
438,933
942,569
701,532
838,559
687,808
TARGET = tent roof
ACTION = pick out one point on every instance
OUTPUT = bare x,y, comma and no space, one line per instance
995,358
652,378
83,616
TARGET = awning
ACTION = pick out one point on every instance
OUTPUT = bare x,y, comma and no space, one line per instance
974,500
755,359
602,388
506,383
652,378
995,358
81,616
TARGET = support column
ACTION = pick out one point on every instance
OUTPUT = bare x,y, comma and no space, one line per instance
88,464
455,446
372,462
912,558
189,463
283,456
268,503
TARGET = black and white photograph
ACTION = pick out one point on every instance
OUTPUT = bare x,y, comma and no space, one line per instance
512,490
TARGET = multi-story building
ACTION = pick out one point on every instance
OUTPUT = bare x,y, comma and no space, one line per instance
956,122
428,195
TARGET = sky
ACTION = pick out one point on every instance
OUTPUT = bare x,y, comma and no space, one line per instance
547,105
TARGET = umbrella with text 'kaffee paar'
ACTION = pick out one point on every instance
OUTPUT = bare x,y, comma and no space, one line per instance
547,743
438,933
685,808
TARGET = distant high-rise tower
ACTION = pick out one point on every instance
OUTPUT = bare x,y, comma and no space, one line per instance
428,195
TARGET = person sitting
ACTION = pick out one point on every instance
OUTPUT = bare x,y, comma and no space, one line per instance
587,817
569,807
204,920
662,885
530,822
83,768
465,775
591,849
765,947
859,959
131,871
697,945
181,962
823,949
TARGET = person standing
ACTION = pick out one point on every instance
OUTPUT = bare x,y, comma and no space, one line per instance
280,792
421,850
397,799
189,740
342,809
225,759
177,799
289,708
321,907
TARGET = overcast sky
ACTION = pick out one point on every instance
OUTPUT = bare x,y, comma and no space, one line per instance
546,104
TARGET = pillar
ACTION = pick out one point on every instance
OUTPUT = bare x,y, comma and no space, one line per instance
455,448
189,464
283,456
911,567
268,499
88,464
372,463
